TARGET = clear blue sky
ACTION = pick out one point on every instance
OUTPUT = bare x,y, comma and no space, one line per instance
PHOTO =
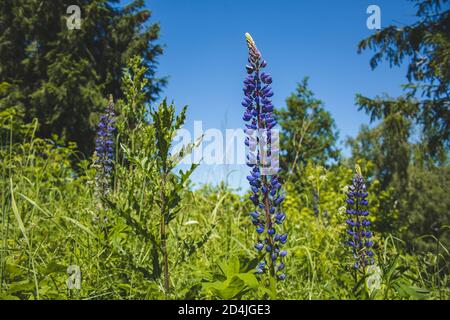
205,57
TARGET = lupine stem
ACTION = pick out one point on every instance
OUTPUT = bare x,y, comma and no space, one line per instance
264,181
164,236
269,223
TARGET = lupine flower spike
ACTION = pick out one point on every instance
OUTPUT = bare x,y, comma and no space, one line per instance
262,143
104,149
359,234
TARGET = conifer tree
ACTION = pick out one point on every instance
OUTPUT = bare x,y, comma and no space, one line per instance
62,76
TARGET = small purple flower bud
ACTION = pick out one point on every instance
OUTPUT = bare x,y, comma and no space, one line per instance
259,246
255,214
278,200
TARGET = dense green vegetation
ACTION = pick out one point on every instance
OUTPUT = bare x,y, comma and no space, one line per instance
150,235
62,77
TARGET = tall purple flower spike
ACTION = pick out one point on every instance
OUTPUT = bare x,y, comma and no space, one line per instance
359,234
262,158
104,149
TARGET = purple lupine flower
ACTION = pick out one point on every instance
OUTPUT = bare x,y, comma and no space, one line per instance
316,203
358,224
104,149
262,146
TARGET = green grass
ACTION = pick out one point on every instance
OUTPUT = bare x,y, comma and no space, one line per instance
52,218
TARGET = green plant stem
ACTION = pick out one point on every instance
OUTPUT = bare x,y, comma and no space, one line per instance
164,236
269,223
272,281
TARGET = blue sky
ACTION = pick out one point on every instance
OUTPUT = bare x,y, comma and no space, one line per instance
205,57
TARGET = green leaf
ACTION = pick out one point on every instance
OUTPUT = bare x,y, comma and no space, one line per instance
17,214
80,225
249,279
54,267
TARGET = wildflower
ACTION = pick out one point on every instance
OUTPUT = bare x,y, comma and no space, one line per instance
104,149
358,224
261,143
315,203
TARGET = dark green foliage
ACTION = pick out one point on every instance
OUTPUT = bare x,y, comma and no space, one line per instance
418,207
61,76
308,132
426,210
387,145
425,47
409,145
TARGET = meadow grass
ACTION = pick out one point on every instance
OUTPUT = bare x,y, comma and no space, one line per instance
52,219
